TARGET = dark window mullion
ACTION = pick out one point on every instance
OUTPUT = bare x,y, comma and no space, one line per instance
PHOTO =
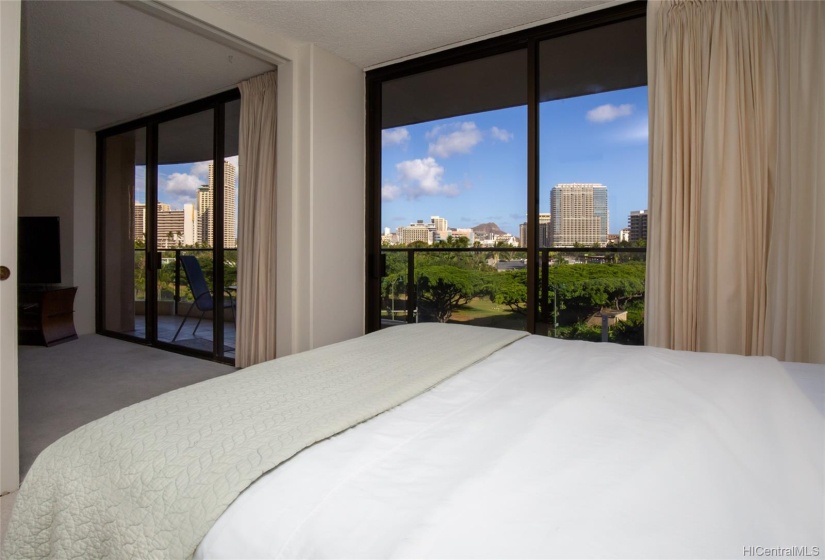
100,274
373,205
532,182
151,242
218,214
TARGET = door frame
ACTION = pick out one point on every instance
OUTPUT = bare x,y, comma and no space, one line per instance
10,18
151,124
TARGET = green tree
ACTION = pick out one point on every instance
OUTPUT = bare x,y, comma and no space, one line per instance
441,289
510,289
582,289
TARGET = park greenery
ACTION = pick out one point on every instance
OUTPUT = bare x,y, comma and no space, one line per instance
167,271
454,286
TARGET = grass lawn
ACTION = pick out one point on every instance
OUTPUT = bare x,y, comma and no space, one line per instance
484,313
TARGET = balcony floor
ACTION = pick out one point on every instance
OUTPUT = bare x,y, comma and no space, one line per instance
202,340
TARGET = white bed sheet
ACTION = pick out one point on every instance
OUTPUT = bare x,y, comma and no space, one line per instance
555,449
810,378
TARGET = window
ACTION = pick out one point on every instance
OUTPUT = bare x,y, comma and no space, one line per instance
502,177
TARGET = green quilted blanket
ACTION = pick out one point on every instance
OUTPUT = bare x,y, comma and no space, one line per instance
150,480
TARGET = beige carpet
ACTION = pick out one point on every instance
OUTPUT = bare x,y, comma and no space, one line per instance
66,386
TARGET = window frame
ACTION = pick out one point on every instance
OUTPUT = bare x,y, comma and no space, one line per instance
151,124
527,38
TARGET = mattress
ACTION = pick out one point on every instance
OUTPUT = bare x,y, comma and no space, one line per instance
558,449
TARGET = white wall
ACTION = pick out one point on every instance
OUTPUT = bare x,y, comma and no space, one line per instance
321,115
9,95
57,178
337,200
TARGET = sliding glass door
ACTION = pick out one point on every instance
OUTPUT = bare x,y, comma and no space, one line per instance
168,225
122,238
507,182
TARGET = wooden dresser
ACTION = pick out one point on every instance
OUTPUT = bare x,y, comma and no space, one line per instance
45,316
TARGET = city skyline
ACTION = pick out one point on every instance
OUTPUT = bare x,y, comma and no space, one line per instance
474,167
194,222
181,184
587,227
178,183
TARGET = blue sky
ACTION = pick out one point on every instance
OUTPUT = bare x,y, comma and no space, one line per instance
178,184
473,169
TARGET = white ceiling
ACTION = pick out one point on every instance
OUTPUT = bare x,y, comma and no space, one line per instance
90,65
372,32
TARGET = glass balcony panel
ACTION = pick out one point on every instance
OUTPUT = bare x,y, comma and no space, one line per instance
394,289
595,295
485,287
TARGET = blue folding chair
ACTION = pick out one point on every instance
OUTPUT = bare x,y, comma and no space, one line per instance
200,291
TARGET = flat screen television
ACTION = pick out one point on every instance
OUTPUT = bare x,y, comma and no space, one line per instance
38,250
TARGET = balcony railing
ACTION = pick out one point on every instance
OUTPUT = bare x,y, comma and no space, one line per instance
172,285
591,294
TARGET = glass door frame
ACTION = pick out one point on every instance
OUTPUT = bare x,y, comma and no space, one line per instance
151,123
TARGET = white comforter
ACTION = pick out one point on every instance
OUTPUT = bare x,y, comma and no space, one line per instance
555,449
150,480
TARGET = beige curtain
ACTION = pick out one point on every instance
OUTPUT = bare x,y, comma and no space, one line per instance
733,154
256,221
796,256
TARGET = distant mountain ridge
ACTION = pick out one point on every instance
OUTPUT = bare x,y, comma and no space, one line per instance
488,228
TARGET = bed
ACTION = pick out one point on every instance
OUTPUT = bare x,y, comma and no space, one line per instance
447,441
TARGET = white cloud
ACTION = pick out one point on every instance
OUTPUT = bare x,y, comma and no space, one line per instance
179,188
460,140
500,134
417,178
390,192
609,112
394,136
424,178
634,133
200,170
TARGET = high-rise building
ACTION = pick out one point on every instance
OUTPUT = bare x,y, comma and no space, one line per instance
206,200
175,227
637,223
439,223
203,215
139,232
544,231
170,228
579,214
418,231
464,232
